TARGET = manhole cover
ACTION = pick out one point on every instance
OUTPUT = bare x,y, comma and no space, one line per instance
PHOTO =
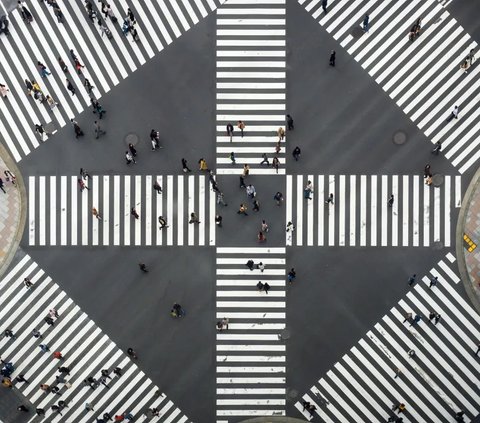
49,128
437,245
292,393
437,180
357,32
132,139
399,138
284,334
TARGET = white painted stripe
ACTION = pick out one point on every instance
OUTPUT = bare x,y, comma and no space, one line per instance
251,53
405,210
212,212
74,211
116,210
251,402
256,347
451,274
148,210
247,272
250,86
426,215
299,220
373,211
191,209
138,207
416,210
331,210
42,210
259,11
289,206
201,210
251,369
250,293
85,215
246,380
436,214
363,210
385,208
63,210
251,43
251,315
159,209
250,22
170,210
180,210
395,211
242,32
321,208
251,250
250,304
341,205
31,210
250,391
105,211
353,210
458,191
250,358
127,206
235,260
95,203
310,215
447,204
251,106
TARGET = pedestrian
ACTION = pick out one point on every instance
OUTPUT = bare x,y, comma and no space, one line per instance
3,90
185,167
221,198
281,133
478,349
132,149
250,264
278,197
412,279
49,320
324,6
433,282
453,114
78,66
163,222
21,378
437,318
64,369
62,404
70,87
471,56
43,69
103,381
256,206
29,87
36,333
459,416
242,182
260,286
218,220
58,355
391,199
290,126
89,407
246,170
40,411
129,158
296,153
7,382
408,317
250,190
275,163
117,371
44,347
427,171
131,353
28,283
157,187
289,230
266,287
194,218
431,316
308,190
177,310
332,58
96,214
97,108
241,126
400,407
155,139
437,148
2,184
21,407
464,65
40,130
265,159
10,177
82,185
398,372
63,65
243,209
84,174
261,237
89,87
291,275
232,158
230,131
264,226
51,102
76,127
134,213
416,320
107,416
366,20
98,130
261,267
203,164
278,147
9,334
143,267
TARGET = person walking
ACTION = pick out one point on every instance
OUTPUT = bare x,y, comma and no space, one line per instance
265,159
96,214
134,213
329,200
98,130
185,167
63,65
264,226
278,197
242,182
203,164
324,6
76,127
250,190
78,66
221,198
412,279
308,190
129,158
256,206
40,130
281,133
51,102
36,333
218,220
437,148
296,153
291,275
246,170
230,131
276,163
290,228
43,69
21,407
261,267
70,87
194,218
88,86
453,114
332,58
131,353
157,187
132,149
261,237
366,21
416,320
58,355
84,174
163,222
2,185
427,172
9,334
391,199
241,126
28,283
232,158
290,126
82,185
433,282
400,407
97,108
243,209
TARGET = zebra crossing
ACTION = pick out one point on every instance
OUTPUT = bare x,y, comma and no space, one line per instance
423,77
251,354
251,85
439,381
107,61
60,213
86,350
360,216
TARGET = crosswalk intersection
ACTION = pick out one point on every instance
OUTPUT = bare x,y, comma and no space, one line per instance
423,77
60,213
439,381
86,350
106,61
251,372
421,215
251,85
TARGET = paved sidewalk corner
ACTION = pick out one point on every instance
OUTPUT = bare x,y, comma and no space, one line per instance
12,211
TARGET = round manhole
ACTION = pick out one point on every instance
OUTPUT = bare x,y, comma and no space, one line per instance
292,393
284,334
437,245
438,179
49,128
132,139
399,138
357,32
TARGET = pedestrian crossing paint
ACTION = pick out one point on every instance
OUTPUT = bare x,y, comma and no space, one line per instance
439,381
251,85
251,355
86,350
421,215
59,213
423,77
107,62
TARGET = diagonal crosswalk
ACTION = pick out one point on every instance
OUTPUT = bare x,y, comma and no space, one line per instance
85,348
251,355
360,215
106,61
251,85
423,77
437,382
60,213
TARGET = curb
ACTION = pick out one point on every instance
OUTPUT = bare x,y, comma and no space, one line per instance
23,209
468,284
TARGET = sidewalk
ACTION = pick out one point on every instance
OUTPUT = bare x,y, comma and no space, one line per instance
468,235
12,213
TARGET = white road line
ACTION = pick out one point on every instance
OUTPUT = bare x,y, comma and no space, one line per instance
191,209
95,203
116,210
31,210
127,206
416,210
138,206
63,210
170,217
105,211
373,210
41,210
385,208
73,211
321,208
405,211
148,210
